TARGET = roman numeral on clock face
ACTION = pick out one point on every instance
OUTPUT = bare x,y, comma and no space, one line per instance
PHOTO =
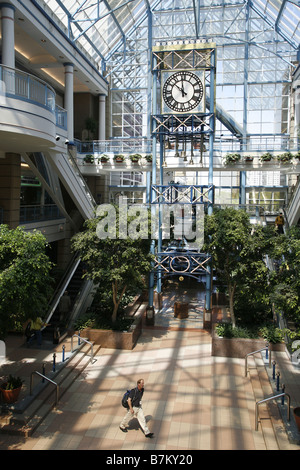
182,91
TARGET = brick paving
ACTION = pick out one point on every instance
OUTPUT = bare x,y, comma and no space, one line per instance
192,400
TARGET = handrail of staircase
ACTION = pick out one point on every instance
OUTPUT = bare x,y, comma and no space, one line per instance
46,378
62,285
272,398
86,341
76,168
254,352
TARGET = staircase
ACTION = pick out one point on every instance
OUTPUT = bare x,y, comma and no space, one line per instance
270,423
25,416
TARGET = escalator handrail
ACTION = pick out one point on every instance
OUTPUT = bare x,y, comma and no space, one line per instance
63,284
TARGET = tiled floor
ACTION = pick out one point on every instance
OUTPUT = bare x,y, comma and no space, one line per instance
192,401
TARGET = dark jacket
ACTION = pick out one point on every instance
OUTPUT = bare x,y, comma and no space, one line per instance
136,396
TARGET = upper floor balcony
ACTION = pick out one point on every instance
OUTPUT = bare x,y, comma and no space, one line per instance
29,116
268,152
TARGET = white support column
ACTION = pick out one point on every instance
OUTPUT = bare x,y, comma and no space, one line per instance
69,99
101,130
8,34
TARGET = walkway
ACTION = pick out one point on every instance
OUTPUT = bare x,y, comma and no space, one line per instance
192,401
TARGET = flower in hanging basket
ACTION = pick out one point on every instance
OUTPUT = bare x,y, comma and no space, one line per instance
89,158
232,158
135,157
104,158
266,157
285,157
119,158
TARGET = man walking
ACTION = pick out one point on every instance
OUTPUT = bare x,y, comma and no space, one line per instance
135,409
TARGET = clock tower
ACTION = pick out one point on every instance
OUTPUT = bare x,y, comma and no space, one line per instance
183,120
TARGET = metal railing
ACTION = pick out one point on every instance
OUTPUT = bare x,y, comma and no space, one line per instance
86,341
22,85
272,398
254,352
49,380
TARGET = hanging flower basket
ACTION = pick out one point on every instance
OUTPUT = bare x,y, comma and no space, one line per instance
119,158
232,158
135,157
104,158
285,157
89,158
266,157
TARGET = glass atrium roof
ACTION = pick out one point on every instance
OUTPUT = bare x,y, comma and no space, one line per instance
257,51
101,26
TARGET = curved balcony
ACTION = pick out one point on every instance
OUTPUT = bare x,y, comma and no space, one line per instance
28,112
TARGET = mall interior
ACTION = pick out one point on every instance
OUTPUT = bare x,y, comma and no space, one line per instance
201,99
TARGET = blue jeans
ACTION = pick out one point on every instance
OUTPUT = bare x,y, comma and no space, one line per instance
37,335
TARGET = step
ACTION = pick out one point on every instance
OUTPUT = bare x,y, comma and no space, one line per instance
23,420
269,419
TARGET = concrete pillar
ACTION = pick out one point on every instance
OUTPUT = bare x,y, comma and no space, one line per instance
10,188
69,99
7,12
101,129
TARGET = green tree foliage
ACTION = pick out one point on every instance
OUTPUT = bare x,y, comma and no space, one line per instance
237,250
285,251
116,261
25,280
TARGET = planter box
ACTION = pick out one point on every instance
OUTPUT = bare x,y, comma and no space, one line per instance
111,339
239,347
181,310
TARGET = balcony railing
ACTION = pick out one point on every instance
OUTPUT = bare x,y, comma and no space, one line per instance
39,213
21,85
15,83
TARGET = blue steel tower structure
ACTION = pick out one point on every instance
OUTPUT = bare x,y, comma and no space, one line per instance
183,117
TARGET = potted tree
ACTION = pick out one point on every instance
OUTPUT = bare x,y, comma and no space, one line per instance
119,158
11,389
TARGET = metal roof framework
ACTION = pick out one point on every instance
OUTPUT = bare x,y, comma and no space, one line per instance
257,42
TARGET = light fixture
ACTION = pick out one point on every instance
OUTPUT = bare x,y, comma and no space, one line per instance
57,138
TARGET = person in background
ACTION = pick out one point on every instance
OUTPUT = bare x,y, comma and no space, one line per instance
279,223
36,327
64,307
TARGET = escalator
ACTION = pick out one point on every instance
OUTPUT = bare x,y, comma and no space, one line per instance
80,292
65,166
292,211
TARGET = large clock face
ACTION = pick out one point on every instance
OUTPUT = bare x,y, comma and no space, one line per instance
182,91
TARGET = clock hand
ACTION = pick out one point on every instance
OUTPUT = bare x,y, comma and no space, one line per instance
181,89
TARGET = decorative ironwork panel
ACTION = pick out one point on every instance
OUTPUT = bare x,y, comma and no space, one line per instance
182,263
181,194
